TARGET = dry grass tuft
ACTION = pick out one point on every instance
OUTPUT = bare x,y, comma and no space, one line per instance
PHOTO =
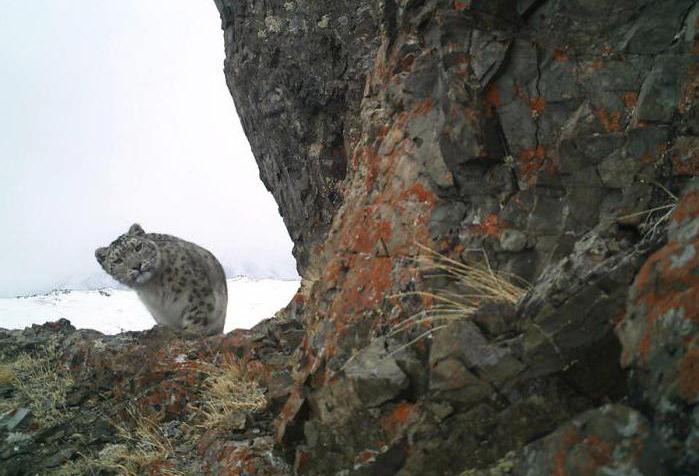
149,445
119,459
228,392
7,376
476,284
40,382
142,448
654,217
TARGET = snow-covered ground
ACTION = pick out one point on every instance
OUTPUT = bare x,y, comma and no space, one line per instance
111,311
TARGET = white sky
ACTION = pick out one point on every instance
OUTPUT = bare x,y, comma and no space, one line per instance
118,112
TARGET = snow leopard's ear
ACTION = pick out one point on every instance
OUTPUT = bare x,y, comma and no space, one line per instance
136,230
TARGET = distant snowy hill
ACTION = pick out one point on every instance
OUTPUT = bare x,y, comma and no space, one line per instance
254,271
95,281
112,310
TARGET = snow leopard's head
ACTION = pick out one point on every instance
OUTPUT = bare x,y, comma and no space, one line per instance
132,259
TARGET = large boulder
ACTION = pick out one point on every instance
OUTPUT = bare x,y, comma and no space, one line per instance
550,137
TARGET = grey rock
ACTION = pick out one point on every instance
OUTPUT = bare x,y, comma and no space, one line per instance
654,32
620,433
513,240
298,75
15,419
376,375
660,93
446,219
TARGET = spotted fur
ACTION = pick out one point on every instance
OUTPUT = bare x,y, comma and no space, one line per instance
182,284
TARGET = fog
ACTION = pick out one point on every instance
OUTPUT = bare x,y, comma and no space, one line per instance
114,113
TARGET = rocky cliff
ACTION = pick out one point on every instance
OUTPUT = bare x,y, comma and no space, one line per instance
552,138
496,218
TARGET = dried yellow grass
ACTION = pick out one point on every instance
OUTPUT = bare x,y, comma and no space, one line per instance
6,374
147,446
42,383
118,458
141,448
653,218
477,284
228,390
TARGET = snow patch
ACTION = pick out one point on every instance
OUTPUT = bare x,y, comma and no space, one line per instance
112,311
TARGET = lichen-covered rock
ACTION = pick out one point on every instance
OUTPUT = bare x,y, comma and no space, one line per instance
548,136
79,402
660,336
613,439
477,389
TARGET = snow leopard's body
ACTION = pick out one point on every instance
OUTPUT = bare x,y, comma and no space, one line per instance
182,284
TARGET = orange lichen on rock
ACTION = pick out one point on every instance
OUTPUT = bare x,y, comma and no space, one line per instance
667,290
407,62
367,456
258,370
569,439
399,416
288,413
691,91
537,104
360,231
488,227
688,165
364,287
533,161
687,208
611,121
366,231
630,98
418,192
663,271
492,99
560,55
369,159
599,453
236,460
643,348
235,341
168,400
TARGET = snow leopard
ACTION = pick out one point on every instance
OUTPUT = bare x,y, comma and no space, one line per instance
180,283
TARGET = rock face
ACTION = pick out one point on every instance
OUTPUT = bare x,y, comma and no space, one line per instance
551,141
552,137
304,91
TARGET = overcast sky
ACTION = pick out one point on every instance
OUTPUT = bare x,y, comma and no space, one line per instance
118,112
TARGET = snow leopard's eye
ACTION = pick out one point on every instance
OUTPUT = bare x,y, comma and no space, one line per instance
138,247
118,261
